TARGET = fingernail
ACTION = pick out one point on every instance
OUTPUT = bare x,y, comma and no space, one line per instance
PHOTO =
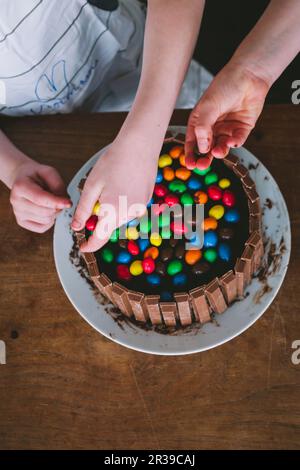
75,224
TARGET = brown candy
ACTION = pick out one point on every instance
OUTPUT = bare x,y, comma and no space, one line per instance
173,242
166,254
200,268
226,233
122,243
160,268
179,251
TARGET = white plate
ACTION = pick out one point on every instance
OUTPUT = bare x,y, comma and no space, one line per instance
237,318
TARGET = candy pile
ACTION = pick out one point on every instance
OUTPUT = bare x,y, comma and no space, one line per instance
160,259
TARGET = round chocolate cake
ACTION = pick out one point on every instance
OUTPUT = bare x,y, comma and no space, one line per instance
166,269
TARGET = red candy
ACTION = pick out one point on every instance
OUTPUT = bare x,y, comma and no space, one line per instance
171,199
148,265
123,272
214,192
228,199
133,247
158,207
91,223
178,227
160,190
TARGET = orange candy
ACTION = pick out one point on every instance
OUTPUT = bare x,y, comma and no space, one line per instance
168,173
176,151
210,223
151,252
183,173
192,256
182,159
200,197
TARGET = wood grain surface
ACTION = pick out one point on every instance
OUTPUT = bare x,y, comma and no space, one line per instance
67,387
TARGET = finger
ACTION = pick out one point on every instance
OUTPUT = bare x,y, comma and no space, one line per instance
204,162
238,138
33,226
204,136
107,223
52,178
26,206
31,190
89,197
33,217
190,143
220,149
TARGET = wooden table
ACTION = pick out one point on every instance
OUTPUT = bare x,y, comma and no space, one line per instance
66,386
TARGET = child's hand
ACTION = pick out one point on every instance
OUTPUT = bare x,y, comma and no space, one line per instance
225,115
37,195
126,169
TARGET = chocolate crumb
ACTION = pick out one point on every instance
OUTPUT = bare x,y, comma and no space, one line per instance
252,167
268,203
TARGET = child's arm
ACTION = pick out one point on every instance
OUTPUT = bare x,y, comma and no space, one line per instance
37,191
129,166
230,107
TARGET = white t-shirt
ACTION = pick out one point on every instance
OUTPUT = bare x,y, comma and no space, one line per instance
57,56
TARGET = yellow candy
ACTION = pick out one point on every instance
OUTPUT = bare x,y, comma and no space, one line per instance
132,233
164,160
168,173
224,183
96,208
155,239
216,211
183,173
136,268
176,151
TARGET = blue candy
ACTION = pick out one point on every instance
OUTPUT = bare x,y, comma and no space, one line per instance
195,241
224,252
143,243
153,279
179,279
123,257
194,184
150,202
166,296
159,177
133,223
232,216
210,239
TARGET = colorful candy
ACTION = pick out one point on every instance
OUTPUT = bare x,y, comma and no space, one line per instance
168,173
166,233
133,223
192,256
183,173
150,203
228,198
166,253
210,255
210,239
174,267
166,296
176,151
224,252
132,233
232,216
133,248
114,236
177,186
171,199
226,233
180,279
194,183
96,209
201,172
160,268
152,251
148,265
164,220
123,272
91,223
200,197
200,268
210,223
216,211
123,257
145,224
214,192
153,279
143,243
179,251
186,199
178,227
211,178
107,255
155,239
164,160
182,159
160,190
136,268
159,177
224,183
195,241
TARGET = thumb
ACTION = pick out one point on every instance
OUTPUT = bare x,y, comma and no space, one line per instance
89,196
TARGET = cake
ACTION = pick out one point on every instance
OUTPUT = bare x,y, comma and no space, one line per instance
152,277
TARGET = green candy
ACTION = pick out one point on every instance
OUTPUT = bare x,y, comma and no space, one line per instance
145,225
107,255
166,233
89,233
174,267
211,178
114,236
186,199
201,172
177,186
210,255
164,220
